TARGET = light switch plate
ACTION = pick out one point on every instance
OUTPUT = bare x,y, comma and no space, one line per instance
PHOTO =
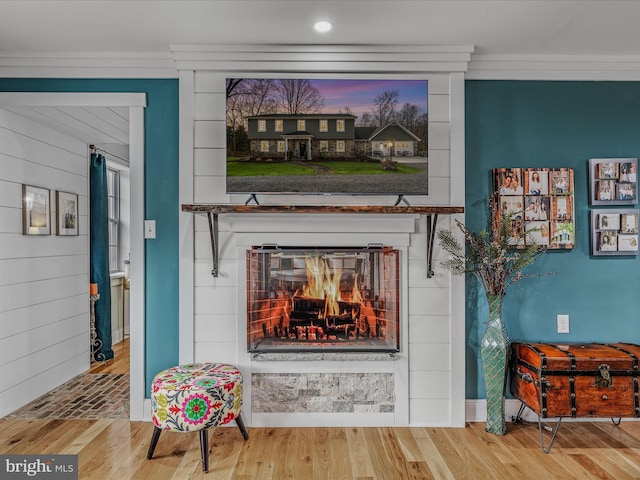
149,229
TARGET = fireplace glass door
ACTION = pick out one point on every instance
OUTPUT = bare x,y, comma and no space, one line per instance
323,299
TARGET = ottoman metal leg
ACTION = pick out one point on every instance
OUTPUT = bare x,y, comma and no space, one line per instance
154,441
241,426
204,449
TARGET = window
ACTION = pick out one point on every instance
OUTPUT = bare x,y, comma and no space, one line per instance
262,125
324,145
113,192
264,146
279,126
280,146
340,146
339,125
301,125
324,126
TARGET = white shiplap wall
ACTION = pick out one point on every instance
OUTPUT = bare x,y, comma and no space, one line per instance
44,304
429,371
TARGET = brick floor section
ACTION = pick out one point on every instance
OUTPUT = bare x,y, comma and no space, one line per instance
87,396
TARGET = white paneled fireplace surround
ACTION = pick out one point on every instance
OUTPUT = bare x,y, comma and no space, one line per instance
422,383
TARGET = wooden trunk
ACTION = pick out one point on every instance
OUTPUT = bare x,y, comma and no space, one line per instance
576,380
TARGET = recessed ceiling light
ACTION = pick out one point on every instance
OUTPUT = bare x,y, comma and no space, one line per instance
322,26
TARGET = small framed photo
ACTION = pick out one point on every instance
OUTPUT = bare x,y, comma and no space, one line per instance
562,207
562,235
517,237
508,181
625,191
511,206
561,181
609,221
629,223
606,190
608,170
608,242
628,243
36,210
67,213
536,208
537,182
537,233
628,172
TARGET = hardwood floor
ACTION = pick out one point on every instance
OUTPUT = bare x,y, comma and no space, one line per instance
116,449
118,364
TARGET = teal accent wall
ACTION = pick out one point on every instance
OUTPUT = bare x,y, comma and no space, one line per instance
552,124
161,202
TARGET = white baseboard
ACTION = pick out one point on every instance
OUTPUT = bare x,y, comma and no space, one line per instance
476,411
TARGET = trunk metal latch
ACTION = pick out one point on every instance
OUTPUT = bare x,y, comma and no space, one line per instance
603,379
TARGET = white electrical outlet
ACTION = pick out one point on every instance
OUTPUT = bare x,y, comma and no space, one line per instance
563,323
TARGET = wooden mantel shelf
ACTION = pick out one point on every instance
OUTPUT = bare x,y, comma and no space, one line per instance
382,209
213,210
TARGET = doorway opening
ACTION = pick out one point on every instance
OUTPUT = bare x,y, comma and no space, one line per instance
47,108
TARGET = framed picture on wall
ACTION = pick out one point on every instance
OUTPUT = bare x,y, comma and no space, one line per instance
614,231
537,182
628,243
67,213
36,210
542,200
509,181
629,222
613,181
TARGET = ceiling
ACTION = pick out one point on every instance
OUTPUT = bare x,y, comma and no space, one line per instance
148,27
92,125
494,27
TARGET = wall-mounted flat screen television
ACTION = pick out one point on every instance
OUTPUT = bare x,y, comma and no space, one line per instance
324,136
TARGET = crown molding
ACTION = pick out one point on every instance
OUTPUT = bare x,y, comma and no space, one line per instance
554,67
87,65
319,59
332,59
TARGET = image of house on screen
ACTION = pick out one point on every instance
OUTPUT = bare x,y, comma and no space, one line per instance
326,135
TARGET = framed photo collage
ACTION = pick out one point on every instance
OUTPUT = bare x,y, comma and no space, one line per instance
540,203
613,181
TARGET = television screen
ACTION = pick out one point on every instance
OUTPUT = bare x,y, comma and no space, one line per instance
356,137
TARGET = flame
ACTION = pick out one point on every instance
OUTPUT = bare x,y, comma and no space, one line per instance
355,292
322,283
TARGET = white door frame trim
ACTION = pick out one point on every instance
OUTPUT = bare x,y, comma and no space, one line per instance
136,103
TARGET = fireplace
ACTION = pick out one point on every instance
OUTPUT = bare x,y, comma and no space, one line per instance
323,299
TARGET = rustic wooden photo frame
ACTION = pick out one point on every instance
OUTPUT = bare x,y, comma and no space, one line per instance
545,204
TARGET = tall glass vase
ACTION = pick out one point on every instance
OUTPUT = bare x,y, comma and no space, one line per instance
494,350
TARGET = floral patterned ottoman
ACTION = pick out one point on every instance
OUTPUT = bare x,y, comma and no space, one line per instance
196,397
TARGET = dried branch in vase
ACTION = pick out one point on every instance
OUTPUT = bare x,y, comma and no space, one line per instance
491,255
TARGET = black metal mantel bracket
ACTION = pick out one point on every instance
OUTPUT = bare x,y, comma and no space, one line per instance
432,221
213,211
213,234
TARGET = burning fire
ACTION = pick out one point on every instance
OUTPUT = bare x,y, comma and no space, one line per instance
321,283
335,300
